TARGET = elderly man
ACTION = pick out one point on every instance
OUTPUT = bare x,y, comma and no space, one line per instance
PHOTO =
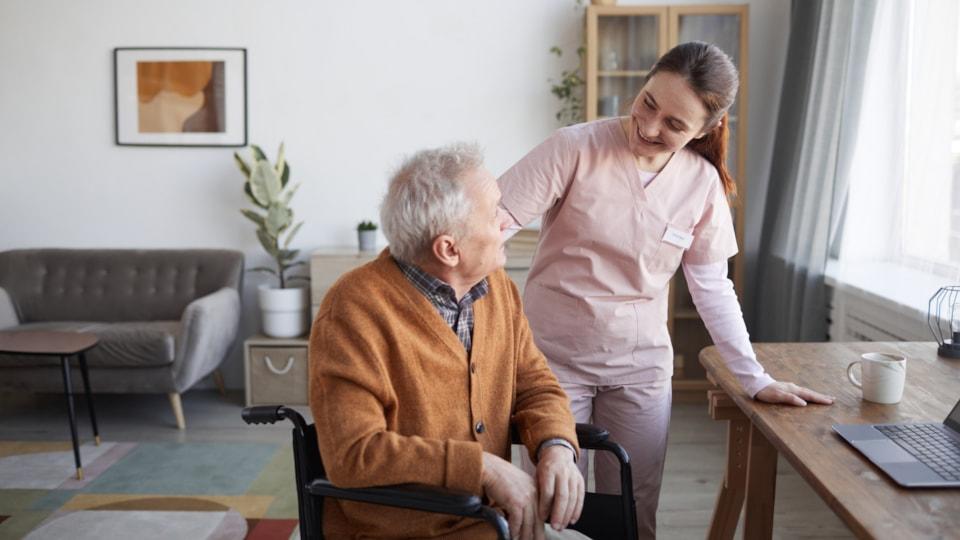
421,359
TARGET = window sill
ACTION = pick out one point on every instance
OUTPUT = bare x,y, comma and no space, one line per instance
900,289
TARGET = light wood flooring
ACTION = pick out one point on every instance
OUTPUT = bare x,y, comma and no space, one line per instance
694,467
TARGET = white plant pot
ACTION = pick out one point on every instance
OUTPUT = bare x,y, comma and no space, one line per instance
367,240
283,312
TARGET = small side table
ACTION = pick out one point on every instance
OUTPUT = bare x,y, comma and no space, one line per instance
64,345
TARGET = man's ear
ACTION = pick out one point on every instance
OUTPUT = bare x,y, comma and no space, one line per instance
445,250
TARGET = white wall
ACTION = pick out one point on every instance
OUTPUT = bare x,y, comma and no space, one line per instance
349,86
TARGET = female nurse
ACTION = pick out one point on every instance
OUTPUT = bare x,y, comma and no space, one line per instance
626,201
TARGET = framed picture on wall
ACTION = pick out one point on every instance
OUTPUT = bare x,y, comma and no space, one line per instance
180,96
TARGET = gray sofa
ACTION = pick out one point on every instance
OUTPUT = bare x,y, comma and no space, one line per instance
165,318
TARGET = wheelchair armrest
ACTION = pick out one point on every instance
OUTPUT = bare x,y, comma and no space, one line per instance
411,496
591,436
588,436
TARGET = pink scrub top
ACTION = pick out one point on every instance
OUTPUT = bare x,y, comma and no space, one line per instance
597,291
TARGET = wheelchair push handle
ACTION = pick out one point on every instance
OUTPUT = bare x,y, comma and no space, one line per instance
271,414
263,414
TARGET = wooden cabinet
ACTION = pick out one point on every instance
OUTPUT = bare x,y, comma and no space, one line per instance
623,43
326,267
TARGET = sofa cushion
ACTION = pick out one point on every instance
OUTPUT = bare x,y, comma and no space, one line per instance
122,344
113,284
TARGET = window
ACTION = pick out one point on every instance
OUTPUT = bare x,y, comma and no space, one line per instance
904,199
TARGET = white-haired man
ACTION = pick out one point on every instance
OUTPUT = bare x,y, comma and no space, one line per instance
421,359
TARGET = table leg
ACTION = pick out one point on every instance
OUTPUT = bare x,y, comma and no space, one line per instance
71,414
761,486
86,387
726,512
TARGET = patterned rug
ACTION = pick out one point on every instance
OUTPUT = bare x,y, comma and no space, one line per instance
211,491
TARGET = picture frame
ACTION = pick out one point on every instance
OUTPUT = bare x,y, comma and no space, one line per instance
180,96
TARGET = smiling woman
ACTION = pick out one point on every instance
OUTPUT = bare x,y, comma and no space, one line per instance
625,202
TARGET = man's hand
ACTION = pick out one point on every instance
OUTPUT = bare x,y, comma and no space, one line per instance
515,492
561,487
791,394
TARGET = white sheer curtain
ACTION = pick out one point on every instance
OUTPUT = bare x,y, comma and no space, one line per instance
904,200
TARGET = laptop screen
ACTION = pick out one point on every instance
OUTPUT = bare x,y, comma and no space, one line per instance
953,419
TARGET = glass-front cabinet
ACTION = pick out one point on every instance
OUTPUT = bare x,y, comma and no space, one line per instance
623,43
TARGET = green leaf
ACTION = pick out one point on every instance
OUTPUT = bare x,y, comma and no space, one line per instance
280,161
278,219
285,176
556,50
258,153
293,232
288,254
249,193
268,242
289,194
244,168
263,269
253,216
264,183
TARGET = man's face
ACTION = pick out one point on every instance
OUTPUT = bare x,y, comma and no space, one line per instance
481,248
666,115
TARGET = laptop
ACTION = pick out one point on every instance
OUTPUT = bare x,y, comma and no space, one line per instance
913,455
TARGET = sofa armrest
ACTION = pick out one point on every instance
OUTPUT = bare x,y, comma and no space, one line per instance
8,311
208,328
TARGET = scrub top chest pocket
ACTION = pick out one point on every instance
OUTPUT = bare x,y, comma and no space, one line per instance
666,243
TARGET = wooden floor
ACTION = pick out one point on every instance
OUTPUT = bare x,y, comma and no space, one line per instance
693,473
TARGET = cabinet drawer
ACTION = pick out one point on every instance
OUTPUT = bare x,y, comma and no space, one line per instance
278,375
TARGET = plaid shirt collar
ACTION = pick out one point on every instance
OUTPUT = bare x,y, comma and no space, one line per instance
457,314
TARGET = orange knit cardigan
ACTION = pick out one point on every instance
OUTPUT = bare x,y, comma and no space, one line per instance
396,400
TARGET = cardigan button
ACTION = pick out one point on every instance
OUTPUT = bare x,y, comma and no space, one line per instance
480,427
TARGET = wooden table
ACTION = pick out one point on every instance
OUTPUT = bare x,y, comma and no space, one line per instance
871,504
63,345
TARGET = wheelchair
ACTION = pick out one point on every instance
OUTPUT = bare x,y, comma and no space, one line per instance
604,516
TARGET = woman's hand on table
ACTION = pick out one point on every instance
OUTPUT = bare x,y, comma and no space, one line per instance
791,394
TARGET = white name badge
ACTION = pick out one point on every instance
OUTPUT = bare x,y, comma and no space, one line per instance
677,238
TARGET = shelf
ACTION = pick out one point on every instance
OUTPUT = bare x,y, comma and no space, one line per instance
624,73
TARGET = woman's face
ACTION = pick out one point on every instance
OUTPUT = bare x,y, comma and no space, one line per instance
666,115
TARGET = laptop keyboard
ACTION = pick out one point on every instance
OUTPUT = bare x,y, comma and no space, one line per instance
930,445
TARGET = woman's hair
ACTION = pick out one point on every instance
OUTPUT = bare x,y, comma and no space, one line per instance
714,78
427,197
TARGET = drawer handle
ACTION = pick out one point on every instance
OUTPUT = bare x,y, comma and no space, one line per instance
287,368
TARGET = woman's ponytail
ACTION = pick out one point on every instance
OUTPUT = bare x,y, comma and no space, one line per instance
713,147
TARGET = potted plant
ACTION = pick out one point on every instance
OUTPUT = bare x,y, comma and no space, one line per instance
283,307
569,88
367,235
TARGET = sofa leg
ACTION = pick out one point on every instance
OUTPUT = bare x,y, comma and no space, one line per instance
218,380
177,409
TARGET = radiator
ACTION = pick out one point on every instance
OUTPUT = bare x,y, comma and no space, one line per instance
854,316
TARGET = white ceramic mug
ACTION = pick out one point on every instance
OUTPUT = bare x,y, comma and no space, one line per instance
883,377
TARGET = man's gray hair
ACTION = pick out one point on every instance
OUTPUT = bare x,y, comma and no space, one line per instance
427,197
